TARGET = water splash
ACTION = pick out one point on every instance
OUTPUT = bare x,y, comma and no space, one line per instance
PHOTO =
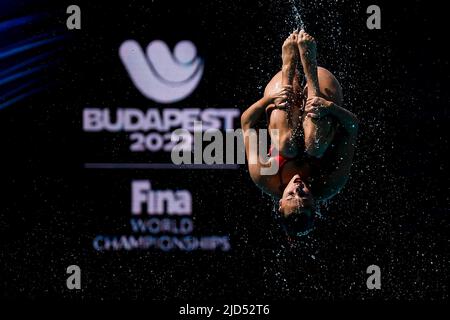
299,24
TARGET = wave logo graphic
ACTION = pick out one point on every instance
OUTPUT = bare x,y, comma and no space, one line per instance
160,75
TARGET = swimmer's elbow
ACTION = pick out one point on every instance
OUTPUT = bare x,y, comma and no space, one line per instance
315,148
314,151
245,122
244,125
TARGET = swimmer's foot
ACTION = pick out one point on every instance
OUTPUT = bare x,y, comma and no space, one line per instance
307,48
289,55
308,55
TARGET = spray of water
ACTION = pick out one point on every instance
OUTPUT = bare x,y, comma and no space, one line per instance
296,15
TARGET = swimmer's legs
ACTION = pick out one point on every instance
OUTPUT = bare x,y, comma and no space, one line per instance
286,120
319,133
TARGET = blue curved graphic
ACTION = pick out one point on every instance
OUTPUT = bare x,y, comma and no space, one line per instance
17,22
25,56
21,97
27,62
27,45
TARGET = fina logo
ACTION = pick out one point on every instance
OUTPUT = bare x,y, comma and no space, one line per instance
160,75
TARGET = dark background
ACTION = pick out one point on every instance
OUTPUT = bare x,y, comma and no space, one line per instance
393,211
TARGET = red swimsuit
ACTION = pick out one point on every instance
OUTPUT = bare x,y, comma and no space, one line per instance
281,162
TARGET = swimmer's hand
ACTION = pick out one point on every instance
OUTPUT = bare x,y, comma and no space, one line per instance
317,107
282,98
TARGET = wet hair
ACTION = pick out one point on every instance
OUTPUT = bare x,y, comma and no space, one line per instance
299,223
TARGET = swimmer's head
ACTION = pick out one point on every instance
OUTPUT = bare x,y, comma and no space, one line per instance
297,207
